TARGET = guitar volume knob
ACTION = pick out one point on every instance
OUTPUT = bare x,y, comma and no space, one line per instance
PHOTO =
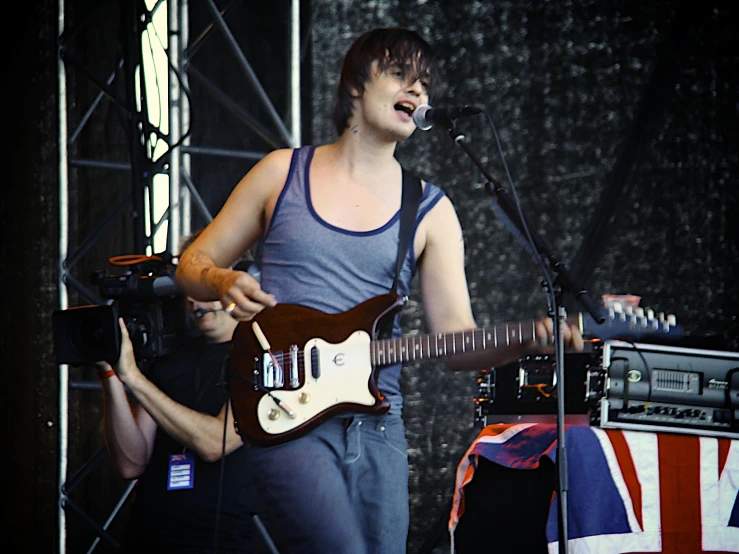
304,398
274,415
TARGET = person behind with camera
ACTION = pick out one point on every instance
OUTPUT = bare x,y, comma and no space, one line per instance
172,441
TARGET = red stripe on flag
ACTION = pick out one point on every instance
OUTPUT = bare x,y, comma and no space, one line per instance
723,453
628,470
679,483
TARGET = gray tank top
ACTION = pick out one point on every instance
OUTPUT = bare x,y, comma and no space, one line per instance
306,260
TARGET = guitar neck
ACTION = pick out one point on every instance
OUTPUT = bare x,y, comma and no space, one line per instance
420,347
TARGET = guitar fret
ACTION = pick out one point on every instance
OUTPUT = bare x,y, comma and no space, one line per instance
417,347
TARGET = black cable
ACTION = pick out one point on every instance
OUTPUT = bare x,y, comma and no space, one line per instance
223,472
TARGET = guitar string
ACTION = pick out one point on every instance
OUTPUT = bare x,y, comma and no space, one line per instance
393,350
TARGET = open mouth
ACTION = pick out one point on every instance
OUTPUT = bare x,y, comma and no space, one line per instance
405,107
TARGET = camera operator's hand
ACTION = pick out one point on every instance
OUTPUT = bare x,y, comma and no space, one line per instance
104,370
126,367
241,295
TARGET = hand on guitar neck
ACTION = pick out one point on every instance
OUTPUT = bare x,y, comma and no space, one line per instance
539,340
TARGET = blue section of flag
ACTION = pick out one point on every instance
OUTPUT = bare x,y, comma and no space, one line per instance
734,518
594,505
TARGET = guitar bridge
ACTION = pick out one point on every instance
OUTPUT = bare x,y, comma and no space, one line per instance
272,376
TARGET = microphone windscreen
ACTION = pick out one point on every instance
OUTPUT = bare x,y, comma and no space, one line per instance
419,117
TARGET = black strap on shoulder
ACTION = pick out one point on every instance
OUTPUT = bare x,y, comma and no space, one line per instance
408,209
410,199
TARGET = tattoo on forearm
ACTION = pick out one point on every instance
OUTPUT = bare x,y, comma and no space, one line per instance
199,259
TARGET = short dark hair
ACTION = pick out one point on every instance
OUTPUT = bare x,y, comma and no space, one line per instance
389,46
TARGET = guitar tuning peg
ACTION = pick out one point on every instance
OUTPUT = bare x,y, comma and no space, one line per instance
640,311
672,320
617,307
629,310
661,317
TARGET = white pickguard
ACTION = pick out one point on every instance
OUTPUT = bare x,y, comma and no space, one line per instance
345,372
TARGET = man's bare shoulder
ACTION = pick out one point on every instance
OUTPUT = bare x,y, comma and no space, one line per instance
268,173
276,161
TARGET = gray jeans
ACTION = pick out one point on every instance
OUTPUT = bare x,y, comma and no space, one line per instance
342,488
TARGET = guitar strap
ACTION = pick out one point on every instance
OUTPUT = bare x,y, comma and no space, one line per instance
410,199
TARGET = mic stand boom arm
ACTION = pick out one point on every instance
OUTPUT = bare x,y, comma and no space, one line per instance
533,243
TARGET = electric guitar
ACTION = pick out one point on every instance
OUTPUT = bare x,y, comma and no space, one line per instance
292,367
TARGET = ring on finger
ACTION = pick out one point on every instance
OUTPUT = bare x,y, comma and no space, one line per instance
230,308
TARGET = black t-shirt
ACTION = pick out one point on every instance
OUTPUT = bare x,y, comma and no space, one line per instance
193,376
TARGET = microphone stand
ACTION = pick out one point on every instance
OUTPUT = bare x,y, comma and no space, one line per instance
533,243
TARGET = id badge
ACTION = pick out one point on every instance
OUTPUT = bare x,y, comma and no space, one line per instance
181,473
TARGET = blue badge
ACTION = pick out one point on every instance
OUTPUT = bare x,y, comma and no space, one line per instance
181,471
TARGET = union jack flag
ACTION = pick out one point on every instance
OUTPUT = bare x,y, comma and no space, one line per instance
629,491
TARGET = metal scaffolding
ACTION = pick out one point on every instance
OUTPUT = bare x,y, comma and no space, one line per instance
147,161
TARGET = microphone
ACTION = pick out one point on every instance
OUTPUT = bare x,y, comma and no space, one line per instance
425,117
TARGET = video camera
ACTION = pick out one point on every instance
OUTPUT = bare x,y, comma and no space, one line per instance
145,295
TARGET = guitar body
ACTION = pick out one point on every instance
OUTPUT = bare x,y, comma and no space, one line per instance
315,366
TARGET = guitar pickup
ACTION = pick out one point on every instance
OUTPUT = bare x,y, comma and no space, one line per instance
294,373
315,362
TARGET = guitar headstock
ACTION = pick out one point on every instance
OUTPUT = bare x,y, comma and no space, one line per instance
631,324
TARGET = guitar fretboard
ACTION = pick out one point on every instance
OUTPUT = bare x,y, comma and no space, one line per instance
419,347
